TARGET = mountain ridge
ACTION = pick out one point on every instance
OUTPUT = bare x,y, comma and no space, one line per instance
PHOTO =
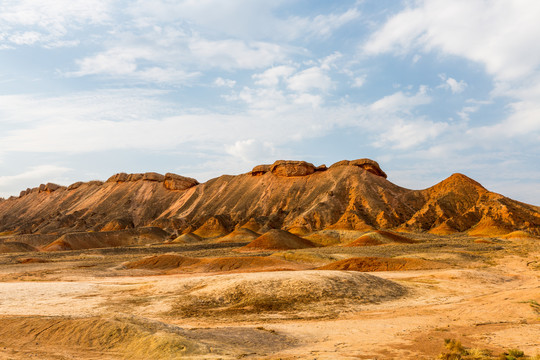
289,195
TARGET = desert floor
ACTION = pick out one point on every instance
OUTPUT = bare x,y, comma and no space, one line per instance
89,304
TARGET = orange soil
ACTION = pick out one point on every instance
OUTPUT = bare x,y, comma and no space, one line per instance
277,240
382,264
10,247
240,234
379,237
176,263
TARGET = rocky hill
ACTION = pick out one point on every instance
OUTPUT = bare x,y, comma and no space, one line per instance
289,195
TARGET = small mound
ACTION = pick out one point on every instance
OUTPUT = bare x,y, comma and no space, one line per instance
519,235
118,224
368,264
188,238
93,240
241,264
240,234
329,237
213,227
252,225
180,264
58,245
299,230
277,240
308,258
488,227
282,291
379,237
443,229
129,337
364,240
161,262
15,247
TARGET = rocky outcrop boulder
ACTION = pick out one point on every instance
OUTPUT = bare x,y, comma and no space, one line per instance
177,182
49,187
25,192
260,170
153,176
75,185
135,177
366,164
95,183
290,168
120,177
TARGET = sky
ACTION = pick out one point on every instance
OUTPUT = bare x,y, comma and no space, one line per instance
202,88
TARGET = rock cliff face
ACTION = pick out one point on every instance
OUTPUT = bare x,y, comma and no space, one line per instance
288,195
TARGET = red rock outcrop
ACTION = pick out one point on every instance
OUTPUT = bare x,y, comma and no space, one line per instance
75,185
289,168
153,176
120,177
260,170
366,164
135,177
177,182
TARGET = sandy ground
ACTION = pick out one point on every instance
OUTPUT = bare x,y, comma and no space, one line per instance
490,302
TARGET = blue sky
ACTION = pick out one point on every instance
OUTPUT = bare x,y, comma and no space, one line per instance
206,87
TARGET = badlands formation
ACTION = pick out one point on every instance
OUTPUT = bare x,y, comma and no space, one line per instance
287,261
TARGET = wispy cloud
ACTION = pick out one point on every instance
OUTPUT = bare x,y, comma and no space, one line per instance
49,24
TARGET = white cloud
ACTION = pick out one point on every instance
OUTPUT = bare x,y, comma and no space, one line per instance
315,101
499,34
324,25
456,86
250,150
313,78
221,82
232,53
242,19
118,61
401,102
137,119
272,76
25,38
408,134
177,58
27,22
453,85
359,81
